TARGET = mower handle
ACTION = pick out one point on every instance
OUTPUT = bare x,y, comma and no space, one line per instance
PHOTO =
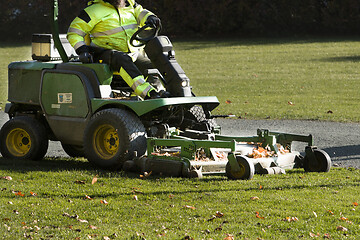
143,40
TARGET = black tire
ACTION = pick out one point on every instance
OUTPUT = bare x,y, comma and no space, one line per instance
112,136
246,172
322,162
73,150
196,113
23,138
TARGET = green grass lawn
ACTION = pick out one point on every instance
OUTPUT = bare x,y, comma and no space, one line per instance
55,199
256,79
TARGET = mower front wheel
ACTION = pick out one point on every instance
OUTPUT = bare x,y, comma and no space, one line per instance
23,138
112,136
246,172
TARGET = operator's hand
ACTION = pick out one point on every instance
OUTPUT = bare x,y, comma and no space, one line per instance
154,21
86,57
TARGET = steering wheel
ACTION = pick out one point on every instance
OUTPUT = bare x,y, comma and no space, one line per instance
144,35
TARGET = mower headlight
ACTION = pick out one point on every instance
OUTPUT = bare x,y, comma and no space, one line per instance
184,83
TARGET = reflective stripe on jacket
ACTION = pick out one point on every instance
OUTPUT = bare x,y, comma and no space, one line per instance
108,27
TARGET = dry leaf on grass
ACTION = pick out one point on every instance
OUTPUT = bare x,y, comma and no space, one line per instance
258,215
290,219
104,202
341,228
254,198
145,175
94,180
18,193
6,178
190,207
229,237
314,235
88,197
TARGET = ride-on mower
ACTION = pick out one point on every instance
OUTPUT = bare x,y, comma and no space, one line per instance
94,114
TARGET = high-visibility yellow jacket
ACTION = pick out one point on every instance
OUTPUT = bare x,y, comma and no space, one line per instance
108,27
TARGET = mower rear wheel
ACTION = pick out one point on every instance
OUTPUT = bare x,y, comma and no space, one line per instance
73,150
112,137
322,162
23,138
246,172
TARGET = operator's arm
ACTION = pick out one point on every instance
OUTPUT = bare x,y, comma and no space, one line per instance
141,14
79,28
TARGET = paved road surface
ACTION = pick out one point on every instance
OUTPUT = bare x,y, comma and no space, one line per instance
339,140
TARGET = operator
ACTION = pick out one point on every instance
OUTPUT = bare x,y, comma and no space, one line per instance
102,32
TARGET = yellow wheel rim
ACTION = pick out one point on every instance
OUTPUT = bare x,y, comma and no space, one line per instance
241,173
106,141
18,142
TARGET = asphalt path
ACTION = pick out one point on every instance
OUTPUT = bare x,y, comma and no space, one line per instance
339,140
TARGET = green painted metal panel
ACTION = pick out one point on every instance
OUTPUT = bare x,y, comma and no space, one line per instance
64,95
143,107
24,81
102,71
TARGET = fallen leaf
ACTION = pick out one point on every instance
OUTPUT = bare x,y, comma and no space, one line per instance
229,237
135,197
326,235
314,235
254,198
145,175
291,103
261,187
93,227
94,180
228,102
258,215
106,238
190,207
344,219
219,214
104,202
137,191
291,219
6,178
19,194
82,220
33,194
330,212
88,197
355,204
171,196
341,228
329,112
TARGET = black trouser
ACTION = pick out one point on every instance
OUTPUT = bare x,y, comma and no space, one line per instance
132,72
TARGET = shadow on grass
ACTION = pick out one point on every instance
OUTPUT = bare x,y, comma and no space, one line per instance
191,44
46,165
342,59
